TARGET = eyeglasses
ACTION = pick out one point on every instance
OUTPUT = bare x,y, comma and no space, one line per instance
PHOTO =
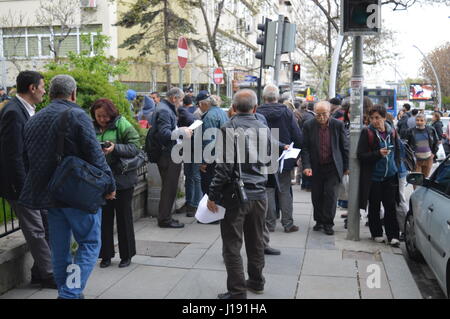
323,115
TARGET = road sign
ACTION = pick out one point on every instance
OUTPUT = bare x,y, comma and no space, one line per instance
182,52
218,76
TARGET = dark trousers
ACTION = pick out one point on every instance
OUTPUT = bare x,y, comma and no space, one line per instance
383,192
170,173
207,177
248,221
121,207
34,227
324,193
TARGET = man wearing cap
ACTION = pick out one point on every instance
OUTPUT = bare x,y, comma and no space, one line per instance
213,118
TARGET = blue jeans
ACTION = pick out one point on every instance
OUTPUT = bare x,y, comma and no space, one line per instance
86,229
193,184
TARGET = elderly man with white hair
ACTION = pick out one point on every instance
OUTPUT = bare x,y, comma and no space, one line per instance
281,118
325,158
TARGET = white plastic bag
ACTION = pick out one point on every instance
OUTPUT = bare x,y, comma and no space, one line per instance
440,155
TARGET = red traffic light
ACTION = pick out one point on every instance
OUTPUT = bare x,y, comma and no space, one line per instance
296,67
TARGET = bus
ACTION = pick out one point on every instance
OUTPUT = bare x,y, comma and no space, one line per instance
386,97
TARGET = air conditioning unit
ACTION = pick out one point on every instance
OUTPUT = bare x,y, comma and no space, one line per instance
88,3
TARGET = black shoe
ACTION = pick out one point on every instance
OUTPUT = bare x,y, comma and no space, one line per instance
182,209
190,211
255,290
328,230
271,251
291,229
35,280
105,263
49,283
125,263
317,227
402,237
172,224
229,295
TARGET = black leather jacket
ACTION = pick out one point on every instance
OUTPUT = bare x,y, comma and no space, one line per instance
253,175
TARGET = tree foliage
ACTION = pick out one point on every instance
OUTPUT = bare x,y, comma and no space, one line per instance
440,58
160,26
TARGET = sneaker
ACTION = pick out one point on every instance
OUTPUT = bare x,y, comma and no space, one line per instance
291,229
190,211
394,242
378,239
328,230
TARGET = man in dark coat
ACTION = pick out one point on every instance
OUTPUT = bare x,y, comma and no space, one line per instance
279,117
30,91
325,158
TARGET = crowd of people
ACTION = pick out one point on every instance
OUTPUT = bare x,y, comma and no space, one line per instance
28,158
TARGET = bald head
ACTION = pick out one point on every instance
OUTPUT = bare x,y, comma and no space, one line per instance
244,101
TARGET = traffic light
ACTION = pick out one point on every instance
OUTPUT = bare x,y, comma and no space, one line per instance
267,40
295,72
360,17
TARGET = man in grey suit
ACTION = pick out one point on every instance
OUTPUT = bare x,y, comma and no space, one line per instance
325,158
30,91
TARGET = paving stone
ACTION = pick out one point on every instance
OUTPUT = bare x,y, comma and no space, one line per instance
200,284
145,282
369,290
277,287
327,263
23,292
323,287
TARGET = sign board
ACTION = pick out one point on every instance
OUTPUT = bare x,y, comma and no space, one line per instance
218,76
182,52
360,17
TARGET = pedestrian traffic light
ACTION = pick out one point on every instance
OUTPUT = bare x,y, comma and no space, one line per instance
360,17
296,72
267,40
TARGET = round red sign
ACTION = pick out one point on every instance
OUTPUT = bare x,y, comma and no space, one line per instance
182,52
218,76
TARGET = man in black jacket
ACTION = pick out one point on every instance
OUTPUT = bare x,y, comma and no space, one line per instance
325,158
248,218
279,117
159,146
30,91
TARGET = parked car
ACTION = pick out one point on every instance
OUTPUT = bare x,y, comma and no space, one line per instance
427,226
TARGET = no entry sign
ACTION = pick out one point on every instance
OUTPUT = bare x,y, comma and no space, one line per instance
182,52
218,76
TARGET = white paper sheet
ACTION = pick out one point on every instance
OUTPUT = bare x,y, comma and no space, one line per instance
196,124
204,215
291,152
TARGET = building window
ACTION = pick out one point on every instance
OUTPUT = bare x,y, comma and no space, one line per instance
35,42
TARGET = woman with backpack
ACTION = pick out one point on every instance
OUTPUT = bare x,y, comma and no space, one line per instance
423,140
379,154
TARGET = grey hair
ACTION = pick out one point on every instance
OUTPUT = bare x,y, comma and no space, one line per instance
245,100
421,115
324,103
62,86
175,92
271,93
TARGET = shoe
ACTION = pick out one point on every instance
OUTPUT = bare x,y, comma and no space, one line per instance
211,223
344,215
394,242
271,251
190,211
328,230
345,223
172,224
402,237
378,239
229,295
292,229
35,280
49,283
105,263
271,230
317,227
125,263
258,291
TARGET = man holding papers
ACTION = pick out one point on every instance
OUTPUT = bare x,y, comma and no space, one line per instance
325,158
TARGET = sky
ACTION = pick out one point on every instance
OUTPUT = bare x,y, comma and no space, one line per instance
426,26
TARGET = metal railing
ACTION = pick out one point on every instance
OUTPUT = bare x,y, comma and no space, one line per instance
9,223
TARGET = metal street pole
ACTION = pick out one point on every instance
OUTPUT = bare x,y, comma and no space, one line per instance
435,75
356,117
181,78
279,47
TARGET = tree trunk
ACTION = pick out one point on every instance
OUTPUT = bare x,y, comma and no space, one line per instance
166,47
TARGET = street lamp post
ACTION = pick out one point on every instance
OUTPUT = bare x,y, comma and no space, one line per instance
435,75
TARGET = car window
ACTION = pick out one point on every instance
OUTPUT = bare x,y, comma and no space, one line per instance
441,178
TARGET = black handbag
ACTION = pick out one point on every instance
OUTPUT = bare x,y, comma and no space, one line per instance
124,165
234,195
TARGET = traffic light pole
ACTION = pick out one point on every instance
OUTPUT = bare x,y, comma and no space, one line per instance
356,117
279,49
